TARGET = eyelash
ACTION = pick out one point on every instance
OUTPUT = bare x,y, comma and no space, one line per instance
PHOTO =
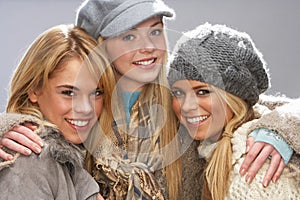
175,93
68,92
178,93
203,92
154,32
71,93
128,37
98,92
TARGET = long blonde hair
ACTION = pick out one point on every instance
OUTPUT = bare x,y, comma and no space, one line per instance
168,131
217,172
49,52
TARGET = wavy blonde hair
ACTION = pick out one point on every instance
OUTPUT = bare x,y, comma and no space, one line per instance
217,172
168,132
48,53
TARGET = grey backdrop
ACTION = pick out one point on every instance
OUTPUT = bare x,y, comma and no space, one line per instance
273,24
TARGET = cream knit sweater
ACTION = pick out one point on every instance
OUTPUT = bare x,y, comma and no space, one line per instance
286,120
285,188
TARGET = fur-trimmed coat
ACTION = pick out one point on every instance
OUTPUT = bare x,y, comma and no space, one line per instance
57,173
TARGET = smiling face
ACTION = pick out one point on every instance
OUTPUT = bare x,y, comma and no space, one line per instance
200,109
71,100
138,54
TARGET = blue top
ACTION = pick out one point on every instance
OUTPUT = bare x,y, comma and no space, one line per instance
129,98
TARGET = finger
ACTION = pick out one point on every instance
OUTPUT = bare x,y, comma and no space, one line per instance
279,171
274,164
258,162
99,197
249,143
250,156
5,156
10,144
28,133
31,126
14,140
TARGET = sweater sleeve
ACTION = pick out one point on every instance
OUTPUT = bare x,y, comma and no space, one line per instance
9,120
285,120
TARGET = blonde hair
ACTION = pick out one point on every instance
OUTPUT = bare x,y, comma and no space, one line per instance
167,133
49,53
217,172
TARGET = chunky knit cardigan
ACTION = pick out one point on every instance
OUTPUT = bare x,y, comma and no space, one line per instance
286,120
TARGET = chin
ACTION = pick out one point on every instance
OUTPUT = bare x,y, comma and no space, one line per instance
77,139
199,138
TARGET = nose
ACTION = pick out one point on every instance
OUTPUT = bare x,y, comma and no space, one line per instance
189,103
146,45
83,105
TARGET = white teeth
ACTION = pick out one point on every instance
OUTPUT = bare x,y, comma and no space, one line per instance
148,62
78,123
195,120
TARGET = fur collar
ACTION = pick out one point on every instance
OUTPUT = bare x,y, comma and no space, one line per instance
56,146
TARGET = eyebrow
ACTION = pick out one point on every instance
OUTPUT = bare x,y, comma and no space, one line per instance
153,25
200,87
68,86
74,88
195,88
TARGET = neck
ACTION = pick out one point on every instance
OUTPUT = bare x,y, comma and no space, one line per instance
128,85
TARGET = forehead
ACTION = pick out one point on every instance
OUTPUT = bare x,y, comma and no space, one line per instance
73,71
188,84
150,22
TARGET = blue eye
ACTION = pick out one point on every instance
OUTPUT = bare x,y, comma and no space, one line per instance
177,93
156,32
128,37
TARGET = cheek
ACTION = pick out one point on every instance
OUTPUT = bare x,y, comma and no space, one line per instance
162,56
221,115
123,61
118,54
98,107
160,43
176,107
229,114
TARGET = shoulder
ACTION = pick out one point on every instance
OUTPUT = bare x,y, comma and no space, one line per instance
32,175
61,150
272,101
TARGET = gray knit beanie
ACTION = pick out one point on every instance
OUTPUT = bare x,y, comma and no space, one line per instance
110,18
222,57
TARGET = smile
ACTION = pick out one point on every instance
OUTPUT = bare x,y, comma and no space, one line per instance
145,62
196,120
79,123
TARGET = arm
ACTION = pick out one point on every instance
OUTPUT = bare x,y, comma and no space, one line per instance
284,120
16,137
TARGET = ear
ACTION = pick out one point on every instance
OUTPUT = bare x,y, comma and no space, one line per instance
33,97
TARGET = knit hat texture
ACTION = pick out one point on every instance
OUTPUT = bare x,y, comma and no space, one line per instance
222,57
110,18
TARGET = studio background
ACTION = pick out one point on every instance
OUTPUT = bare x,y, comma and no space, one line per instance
273,25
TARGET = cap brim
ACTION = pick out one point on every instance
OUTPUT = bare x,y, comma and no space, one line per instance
134,16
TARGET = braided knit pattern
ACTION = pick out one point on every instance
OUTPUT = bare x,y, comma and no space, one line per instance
285,188
223,57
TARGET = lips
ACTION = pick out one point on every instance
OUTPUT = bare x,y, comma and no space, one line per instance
145,63
196,120
78,124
